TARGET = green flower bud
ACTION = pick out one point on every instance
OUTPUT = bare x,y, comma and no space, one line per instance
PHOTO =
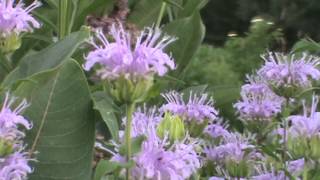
128,91
172,126
304,147
10,43
298,147
6,148
238,169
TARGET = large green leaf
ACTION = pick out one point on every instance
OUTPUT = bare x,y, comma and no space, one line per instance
62,136
47,58
192,6
145,13
104,105
190,32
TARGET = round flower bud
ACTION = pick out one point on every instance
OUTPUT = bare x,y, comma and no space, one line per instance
10,43
128,91
171,126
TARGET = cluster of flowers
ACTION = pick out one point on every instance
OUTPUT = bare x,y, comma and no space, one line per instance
174,148
268,98
161,158
234,156
13,158
282,77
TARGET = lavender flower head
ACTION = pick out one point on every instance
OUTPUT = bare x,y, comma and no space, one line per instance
11,120
158,158
294,167
198,108
13,161
124,58
288,71
234,147
217,130
308,124
258,102
144,122
15,166
14,17
156,161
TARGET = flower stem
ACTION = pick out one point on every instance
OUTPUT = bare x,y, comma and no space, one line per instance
163,8
62,18
130,110
305,170
284,142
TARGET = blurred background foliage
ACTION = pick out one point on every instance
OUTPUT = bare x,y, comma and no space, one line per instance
297,18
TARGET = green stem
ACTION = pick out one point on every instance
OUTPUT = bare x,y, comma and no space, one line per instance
285,114
163,8
62,18
130,110
284,143
305,170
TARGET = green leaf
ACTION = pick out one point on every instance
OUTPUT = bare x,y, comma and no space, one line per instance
136,143
107,170
104,105
62,136
53,3
201,89
104,167
195,89
306,45
191,7
174,3
47,58
190,32
45,20
145,13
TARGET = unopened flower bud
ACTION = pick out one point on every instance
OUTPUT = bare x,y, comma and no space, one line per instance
127,91
298,147
10,43
172,126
